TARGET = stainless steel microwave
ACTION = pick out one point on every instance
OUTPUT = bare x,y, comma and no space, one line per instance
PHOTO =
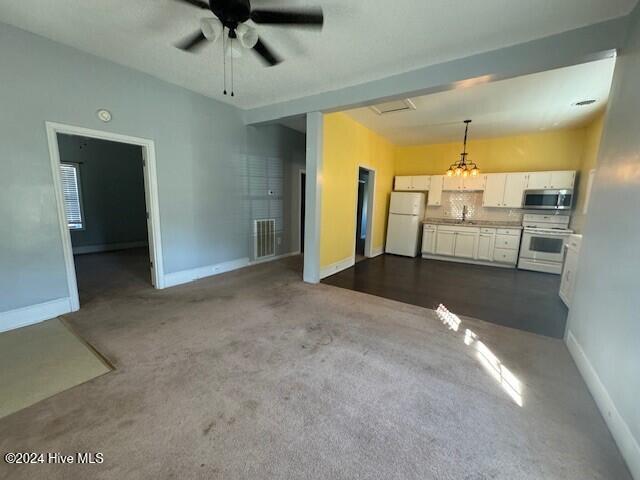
547,199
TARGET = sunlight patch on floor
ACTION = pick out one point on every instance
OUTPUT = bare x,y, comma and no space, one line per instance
489,360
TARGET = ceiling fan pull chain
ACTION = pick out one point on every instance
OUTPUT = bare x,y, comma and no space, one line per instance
231,50
224,63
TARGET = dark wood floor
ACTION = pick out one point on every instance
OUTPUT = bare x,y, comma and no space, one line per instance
514,298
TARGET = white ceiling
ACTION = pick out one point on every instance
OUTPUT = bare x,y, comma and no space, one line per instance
362,40
542,101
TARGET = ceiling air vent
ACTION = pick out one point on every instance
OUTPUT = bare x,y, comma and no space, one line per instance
393,106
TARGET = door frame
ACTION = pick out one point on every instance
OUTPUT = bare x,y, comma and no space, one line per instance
151,199
301,172
371,205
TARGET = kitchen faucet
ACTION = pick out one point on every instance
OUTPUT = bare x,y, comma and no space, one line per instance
464,213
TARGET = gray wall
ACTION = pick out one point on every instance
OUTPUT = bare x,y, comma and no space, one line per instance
200,150
112,189
275,155
605,316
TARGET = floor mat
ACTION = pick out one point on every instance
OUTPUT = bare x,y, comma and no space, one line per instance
41,360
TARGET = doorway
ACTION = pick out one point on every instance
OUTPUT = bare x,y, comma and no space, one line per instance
106,194
364,214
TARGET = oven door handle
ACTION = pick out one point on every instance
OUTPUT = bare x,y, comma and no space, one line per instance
547,232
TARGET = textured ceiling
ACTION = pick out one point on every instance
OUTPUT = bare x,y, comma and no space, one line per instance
543,101
362,40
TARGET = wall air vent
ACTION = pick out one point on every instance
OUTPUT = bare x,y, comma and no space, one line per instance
264,238
393,106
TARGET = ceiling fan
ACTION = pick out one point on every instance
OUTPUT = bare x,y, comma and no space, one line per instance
231,16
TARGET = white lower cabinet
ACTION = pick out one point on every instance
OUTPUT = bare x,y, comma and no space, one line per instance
494,245
486,244
465,244
445,242
505,256
429,239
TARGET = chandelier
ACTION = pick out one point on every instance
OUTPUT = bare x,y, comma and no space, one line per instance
463,167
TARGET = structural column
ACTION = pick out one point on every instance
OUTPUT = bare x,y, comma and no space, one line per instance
313,198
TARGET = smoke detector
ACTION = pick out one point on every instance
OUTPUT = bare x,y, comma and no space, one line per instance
393,106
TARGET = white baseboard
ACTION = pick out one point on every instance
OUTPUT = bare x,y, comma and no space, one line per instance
21,317
108,247
337,267
186,276
625,440
271,259
377,251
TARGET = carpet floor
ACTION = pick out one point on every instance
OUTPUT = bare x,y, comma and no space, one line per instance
255,374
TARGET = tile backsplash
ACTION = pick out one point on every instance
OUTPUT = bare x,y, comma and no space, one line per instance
453,202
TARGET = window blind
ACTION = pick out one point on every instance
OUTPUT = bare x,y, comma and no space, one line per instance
70,175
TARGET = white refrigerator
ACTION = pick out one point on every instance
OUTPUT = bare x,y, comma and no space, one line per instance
405,223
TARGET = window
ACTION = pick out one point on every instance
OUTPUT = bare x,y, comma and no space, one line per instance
70,174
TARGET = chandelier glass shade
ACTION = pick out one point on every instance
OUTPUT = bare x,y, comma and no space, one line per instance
464,167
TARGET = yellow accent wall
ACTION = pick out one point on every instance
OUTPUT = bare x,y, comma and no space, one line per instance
555,150
347,145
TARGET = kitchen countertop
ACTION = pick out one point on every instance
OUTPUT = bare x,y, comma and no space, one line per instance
472,223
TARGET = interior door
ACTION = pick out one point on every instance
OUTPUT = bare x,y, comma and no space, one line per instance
147,198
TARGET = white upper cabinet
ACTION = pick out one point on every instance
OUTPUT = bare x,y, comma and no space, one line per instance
494,190
402,183
472,183
559,180
418,183
514,188
421,183
563,180
464,183
539,180
435,191
504,190
452,183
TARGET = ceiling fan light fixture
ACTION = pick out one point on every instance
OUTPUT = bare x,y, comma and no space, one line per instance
211,28
247,36
232,49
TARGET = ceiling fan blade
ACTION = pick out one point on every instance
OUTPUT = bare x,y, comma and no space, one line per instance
310,18
266,54
192,42
197,3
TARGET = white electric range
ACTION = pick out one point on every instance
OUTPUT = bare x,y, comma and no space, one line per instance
543,240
